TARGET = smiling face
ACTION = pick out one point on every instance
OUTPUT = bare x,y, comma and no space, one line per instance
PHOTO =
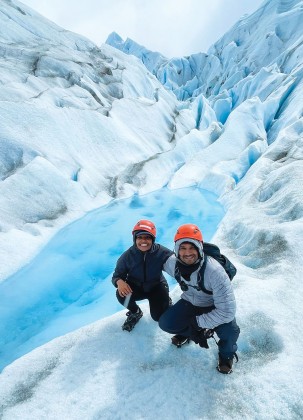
144,242
188,253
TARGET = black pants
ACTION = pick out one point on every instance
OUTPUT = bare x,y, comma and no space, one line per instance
158,299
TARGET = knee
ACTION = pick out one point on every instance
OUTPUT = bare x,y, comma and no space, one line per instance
157,312
155,317
163,322
228,331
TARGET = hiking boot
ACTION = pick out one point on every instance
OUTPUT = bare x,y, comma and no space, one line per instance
178,340
225,365
132,319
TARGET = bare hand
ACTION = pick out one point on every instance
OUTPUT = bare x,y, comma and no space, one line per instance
123,288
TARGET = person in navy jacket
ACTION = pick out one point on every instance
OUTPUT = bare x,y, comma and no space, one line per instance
138,275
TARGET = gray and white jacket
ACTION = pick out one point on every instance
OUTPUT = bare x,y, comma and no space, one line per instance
216,281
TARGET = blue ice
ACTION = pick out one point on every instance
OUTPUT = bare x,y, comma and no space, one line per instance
68,284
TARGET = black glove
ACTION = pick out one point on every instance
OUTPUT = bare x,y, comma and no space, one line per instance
200,335
201,339
208,333
197,333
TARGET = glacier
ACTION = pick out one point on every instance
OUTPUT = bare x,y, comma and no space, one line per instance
82,127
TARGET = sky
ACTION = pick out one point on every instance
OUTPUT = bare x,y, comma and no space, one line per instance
171,27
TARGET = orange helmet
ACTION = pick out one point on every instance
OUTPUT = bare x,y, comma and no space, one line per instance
145,226
188,231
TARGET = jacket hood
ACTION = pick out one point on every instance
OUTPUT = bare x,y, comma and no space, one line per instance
198,245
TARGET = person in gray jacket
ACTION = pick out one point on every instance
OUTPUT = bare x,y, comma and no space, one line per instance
197,315
138,275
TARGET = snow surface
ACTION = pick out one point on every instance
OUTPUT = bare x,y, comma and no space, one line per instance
83,127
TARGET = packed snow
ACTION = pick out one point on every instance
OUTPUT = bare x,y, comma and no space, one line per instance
89,133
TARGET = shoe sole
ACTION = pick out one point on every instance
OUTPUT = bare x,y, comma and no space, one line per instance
179,345
129,328
224,373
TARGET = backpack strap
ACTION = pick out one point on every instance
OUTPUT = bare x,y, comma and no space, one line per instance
201,277
200,280
177,275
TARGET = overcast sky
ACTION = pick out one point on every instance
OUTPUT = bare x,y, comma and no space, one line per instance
172,27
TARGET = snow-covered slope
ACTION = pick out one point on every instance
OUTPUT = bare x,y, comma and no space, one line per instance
71,112
70,140
247,93
65,131
151,59
100,373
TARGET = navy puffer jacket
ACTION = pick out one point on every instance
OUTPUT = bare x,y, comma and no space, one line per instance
143,269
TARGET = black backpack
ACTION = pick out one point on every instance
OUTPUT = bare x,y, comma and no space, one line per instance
213,251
